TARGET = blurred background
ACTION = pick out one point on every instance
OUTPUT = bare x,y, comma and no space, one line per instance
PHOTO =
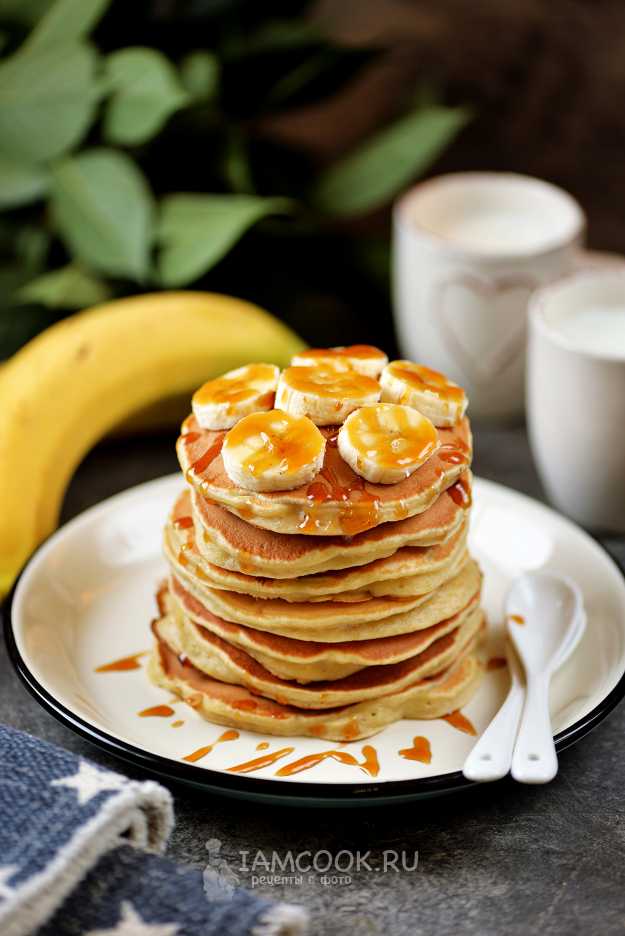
255,149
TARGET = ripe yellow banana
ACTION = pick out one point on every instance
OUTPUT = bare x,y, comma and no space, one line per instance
78,379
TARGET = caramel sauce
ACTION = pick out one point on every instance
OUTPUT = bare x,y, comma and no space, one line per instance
264,761
243,511
262,746
454,454
230,735
517,618
362,351
356,515
369,764
460,493
284,439
123,664
267,400
351,729
183,523
177,724
156,711
420,751
309,523
496,663
245,705
209,455
232,390
461,722
328,382
424,378
318,730
183,559
191,436
361,514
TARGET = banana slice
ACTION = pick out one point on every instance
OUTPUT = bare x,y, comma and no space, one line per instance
221,403
385,443
273,451
324,394
363,358
438,398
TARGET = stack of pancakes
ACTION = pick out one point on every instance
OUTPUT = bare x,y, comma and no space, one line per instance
330,610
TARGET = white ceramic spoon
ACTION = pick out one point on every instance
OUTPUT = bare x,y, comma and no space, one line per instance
546,619
491,757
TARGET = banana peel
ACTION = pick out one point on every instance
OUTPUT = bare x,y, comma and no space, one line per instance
83,376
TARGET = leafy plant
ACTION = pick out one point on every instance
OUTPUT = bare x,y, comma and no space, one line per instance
127,168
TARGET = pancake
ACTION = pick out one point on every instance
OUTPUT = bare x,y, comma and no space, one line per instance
237,707
335,621
223,661
303,660
408,572
341,502
231,543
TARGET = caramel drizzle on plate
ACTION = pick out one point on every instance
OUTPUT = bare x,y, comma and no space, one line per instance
156,711
461,722
421,750
123,664
230,735
369,764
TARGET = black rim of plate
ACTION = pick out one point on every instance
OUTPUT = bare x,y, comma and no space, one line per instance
265,788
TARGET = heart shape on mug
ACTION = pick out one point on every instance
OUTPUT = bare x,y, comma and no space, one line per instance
483,321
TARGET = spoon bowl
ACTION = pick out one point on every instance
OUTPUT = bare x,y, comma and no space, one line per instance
543,616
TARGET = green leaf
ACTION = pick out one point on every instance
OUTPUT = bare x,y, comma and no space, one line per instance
300,76
47,100
66,20
68,288
196,231
274,36
31,245
103,210
199,73
146,91
237,169
384,164
24,11
20,183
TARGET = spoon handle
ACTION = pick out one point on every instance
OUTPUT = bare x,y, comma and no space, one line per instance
534,759
491,756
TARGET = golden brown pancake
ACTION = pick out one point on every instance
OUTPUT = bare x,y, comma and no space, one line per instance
303,660
345,505
223,661
231,543
410,571
334,621
235,706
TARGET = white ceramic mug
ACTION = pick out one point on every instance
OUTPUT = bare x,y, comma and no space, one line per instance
469,249
576,395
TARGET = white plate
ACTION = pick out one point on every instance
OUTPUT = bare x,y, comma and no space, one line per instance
87,596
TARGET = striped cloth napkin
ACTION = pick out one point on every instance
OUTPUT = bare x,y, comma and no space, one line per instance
81,855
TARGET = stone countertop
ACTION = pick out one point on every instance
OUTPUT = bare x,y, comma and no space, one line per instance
502,858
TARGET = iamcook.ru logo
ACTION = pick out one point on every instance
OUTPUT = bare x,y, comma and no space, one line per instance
274,869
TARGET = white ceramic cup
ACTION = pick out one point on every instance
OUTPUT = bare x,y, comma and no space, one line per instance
469,249
576,395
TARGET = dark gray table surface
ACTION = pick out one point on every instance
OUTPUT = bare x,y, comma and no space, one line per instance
499,859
